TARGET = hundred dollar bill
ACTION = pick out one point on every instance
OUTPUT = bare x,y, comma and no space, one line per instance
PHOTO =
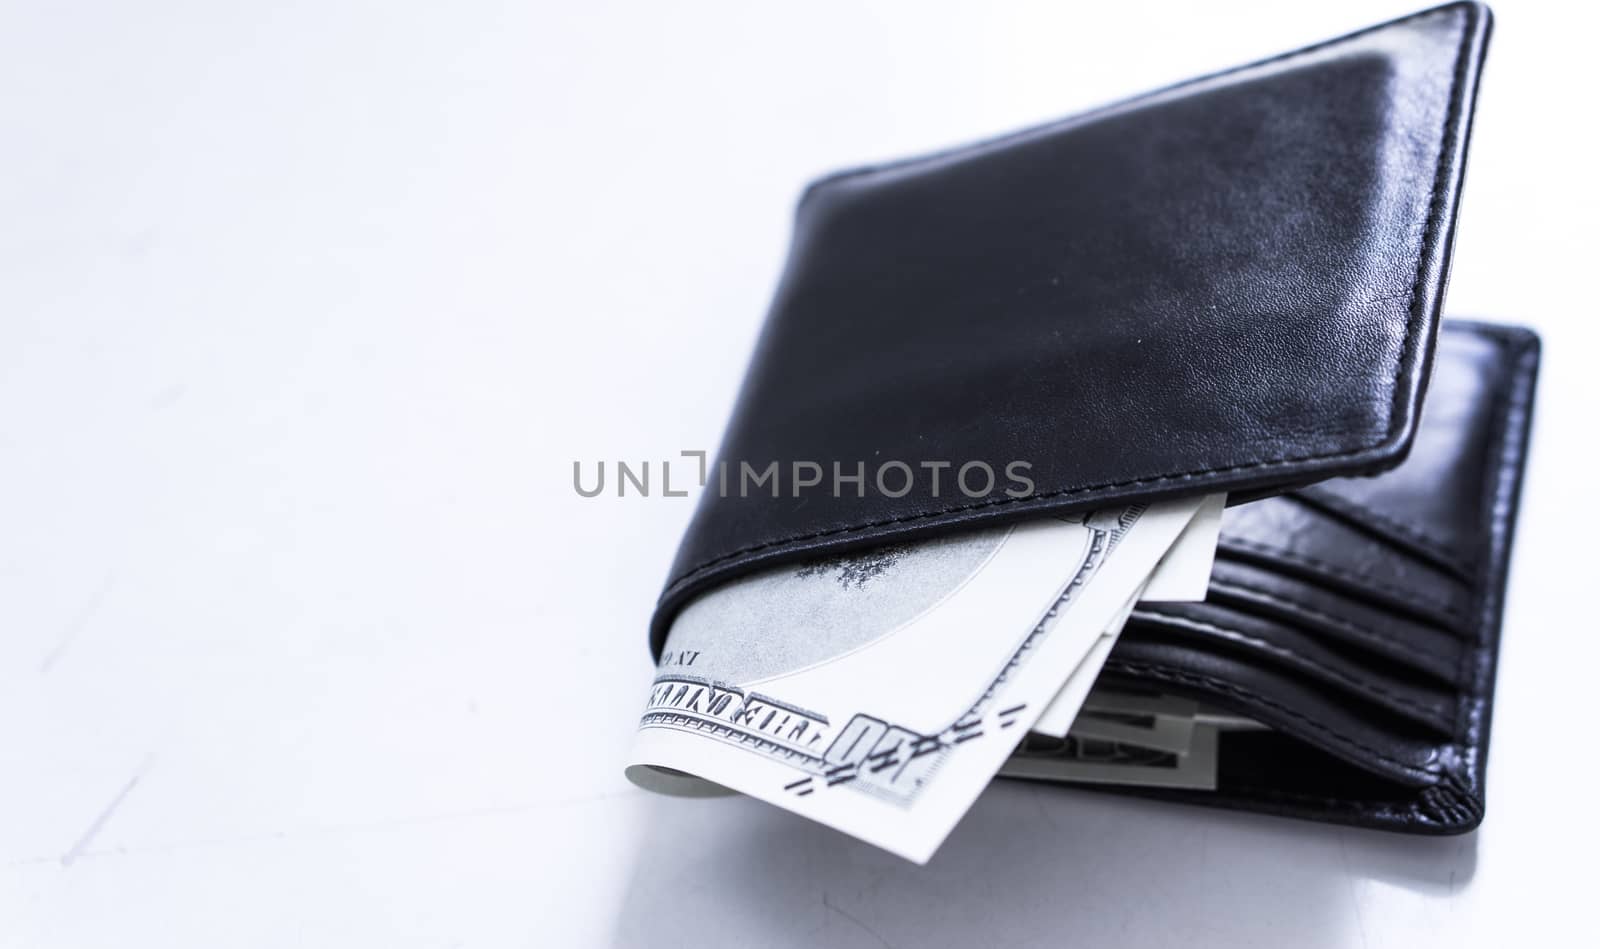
1164,722
1059,714
1092,761
879,693
1184,573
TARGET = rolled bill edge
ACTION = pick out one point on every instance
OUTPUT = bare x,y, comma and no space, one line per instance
674,782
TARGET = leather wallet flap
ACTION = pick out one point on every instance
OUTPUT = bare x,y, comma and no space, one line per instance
1229,285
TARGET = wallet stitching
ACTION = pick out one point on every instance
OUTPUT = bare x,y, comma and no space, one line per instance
1431,224
1362,632
1468,693
1243,792
1409,597
1516,399
1473,655
1192,678
1432,221
1382,694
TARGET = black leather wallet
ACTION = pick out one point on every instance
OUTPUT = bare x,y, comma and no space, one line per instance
1231,285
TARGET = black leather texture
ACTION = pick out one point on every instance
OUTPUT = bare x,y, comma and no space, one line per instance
1229,285
1360,618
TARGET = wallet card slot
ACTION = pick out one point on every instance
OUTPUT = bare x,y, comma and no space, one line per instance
1211,627
1310,711
1351,622
1410,538
1276,773
1286,536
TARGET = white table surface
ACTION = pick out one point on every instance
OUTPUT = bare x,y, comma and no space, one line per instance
305,638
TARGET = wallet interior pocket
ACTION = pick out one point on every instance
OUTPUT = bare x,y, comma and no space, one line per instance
1418,644
1291,651
1368,650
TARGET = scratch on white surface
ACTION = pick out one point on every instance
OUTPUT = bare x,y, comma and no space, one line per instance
84,615
858,923
1036,794
1355,892
168,396
96,825
1455,865
80,849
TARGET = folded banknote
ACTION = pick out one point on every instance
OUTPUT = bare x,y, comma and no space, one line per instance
880,692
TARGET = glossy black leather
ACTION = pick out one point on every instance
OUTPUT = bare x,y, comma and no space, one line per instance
1360,618
1229,285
